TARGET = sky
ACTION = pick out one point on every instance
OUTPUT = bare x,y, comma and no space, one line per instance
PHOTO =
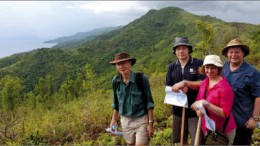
25,25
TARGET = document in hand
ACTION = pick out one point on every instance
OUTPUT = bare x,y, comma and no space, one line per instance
210,124
174,98
114,132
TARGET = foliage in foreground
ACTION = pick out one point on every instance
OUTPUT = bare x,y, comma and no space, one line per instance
81,121
49,97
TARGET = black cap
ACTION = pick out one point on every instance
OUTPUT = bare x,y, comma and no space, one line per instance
181,41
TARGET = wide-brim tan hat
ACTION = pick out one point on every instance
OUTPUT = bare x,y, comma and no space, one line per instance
213,59
120,57
236,43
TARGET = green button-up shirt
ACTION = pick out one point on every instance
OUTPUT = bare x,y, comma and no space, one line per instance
127,98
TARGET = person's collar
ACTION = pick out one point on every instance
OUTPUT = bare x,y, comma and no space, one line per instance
241,67
219,84
190,61
132,77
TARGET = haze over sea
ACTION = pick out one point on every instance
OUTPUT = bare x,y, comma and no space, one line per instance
7,47
47,20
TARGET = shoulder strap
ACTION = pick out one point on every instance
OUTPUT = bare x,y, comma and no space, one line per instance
140,84
227,119
225,124
139,79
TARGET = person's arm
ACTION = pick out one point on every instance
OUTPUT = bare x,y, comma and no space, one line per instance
255,90
149,106
115,105
169,80
251,123
215,109
114,118
256,111
195,85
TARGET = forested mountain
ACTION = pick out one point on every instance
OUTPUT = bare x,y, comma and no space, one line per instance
63,96
147,38
78,38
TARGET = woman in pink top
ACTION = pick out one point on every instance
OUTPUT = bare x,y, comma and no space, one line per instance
218,98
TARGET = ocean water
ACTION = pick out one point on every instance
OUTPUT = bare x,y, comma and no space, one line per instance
11,47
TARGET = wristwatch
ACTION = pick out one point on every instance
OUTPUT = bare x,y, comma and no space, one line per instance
184,82
256,118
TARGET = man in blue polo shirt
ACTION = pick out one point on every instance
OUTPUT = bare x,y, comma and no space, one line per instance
180,72
245,82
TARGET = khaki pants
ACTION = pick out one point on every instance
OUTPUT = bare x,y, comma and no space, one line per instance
135,129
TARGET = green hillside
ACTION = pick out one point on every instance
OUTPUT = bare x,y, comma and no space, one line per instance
63,96
147,38
78,38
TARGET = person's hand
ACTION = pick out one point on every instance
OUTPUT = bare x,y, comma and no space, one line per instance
113,122
178,86
195,105
150,130
199,113
251,123
185,89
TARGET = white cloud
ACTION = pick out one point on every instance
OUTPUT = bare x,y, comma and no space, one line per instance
44,20
113,7
229,11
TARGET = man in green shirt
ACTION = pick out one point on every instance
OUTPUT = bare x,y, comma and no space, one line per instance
134,105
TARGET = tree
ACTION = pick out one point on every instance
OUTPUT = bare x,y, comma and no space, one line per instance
207,34
64,90
44,91
10,91
90,82
254,44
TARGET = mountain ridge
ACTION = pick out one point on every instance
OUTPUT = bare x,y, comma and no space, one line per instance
147,38
70,41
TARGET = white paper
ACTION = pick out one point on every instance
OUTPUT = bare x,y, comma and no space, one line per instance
115,132
210,124
173,98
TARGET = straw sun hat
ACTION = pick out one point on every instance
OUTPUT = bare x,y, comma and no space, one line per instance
236,43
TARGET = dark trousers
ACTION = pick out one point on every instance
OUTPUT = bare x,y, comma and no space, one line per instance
243,136
190,127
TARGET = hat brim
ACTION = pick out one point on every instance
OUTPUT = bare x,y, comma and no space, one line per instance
114,62
213,63
245,48
183,44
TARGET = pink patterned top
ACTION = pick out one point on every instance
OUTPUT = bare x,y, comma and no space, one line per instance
220,95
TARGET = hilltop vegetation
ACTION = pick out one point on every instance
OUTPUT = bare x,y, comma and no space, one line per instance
147,38
62,95
75,40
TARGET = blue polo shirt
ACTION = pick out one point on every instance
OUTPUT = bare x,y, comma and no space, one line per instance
245,82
